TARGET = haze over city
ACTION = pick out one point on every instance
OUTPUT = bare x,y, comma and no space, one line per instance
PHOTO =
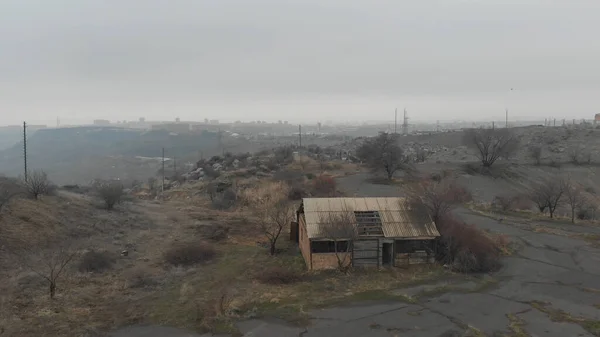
297,61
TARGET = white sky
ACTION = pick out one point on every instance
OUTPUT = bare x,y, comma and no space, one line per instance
301,60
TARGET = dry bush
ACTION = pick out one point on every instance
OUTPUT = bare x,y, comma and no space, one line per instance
324,186
438,197
491,144
384,153
190,253
139,277
575,197
339,227
50,264
467,248
95,262
278,275
264,193
535,152
213,232
110,192
421,154
548,193
37,184
9,189
297,192
512,202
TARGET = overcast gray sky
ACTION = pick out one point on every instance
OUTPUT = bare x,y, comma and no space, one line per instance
302,60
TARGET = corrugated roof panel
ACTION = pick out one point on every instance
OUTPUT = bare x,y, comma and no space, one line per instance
398,220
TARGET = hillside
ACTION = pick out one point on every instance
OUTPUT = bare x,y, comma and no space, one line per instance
78,155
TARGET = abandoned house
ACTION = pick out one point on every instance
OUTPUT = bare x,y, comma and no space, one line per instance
363,232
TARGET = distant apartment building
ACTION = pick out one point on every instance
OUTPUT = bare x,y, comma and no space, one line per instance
597,119
173,127
101,122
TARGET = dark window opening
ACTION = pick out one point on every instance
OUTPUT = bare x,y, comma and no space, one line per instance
411,246
368,223
328,246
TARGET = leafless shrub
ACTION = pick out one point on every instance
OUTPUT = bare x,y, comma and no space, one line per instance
384,153
467,248
339,227
37,184
438,197
503,202
95,262
575,197
190,253
275,218
535,152
110,192
574,155
491,144
50,264
421,154
324,186
139,277
548,193
278,275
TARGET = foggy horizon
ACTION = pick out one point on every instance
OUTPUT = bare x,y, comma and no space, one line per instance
310,61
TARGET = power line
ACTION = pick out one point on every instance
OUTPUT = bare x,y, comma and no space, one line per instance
25,149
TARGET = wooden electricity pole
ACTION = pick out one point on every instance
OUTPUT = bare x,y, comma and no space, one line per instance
25,149
300,135
163,170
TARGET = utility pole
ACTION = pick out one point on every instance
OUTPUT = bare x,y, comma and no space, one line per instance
405,124
493,125
554,122
163,171
25,150
437,126
299,135
175,167
507,118
396,121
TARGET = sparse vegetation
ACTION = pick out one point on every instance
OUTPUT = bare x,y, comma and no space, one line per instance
189,253
467,248
110,192
438,197
95,262
535,152
37,184
491,144
324,186
548,193
384,153
339,228
278,275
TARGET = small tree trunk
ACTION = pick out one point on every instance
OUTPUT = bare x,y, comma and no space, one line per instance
272,250
572,214
52,289
551,212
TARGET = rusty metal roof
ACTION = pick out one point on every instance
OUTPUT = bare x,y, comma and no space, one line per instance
397,218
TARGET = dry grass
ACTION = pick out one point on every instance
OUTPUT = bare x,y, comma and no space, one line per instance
557,315
141,288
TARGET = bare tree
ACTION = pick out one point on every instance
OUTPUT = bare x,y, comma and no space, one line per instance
574,154
340,227
49,264
575,197
110,192
37,184
491,144
438,197
535,152
276,217
421,154
384,153
548,194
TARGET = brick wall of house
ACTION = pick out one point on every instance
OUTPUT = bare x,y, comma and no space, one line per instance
304,242
328,260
